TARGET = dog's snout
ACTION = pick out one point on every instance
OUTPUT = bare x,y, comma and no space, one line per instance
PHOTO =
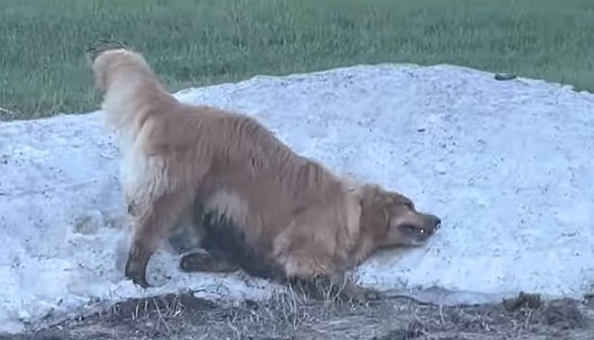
434,221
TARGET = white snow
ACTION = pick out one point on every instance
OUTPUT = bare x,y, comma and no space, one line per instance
508,165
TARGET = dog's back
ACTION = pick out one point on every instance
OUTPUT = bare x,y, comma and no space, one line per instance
250,164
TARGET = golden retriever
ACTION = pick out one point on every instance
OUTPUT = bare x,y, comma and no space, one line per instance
265,208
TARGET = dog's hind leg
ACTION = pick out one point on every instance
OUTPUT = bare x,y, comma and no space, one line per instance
211,258
153,221
204,261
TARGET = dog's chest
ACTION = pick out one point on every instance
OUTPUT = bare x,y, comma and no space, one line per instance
133,167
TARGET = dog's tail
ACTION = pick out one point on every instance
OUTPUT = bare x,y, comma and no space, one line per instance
130,86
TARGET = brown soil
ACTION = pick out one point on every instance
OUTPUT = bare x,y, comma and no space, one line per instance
294,318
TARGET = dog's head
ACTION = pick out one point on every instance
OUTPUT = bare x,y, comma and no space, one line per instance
103,66
391,219
100,60
109,57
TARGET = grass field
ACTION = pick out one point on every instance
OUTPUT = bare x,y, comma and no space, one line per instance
193,43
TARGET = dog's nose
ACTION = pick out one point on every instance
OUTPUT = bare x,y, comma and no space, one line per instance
436,221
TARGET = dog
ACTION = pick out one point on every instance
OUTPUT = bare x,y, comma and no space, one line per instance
260,206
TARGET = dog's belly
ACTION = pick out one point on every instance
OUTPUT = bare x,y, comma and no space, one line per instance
226,239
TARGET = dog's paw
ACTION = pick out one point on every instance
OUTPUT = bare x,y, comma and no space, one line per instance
138,277
138,280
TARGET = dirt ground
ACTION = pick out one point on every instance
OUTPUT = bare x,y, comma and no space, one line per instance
291,317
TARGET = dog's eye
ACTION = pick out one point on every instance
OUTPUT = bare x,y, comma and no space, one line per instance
409,205
409,228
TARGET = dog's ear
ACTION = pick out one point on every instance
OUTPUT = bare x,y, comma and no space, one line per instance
93,52
100,46
375,214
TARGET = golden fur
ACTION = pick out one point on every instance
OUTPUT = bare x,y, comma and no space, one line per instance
282,215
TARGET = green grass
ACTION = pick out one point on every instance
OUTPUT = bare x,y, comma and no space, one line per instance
200,42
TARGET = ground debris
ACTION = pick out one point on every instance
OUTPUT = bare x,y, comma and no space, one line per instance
183,316
564,314
523,300
413,330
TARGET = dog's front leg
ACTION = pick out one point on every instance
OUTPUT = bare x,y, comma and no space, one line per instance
335,285
154,219
349,290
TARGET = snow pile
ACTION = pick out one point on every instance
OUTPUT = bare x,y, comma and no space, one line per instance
506,165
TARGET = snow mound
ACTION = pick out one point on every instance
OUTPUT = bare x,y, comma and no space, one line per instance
507,165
